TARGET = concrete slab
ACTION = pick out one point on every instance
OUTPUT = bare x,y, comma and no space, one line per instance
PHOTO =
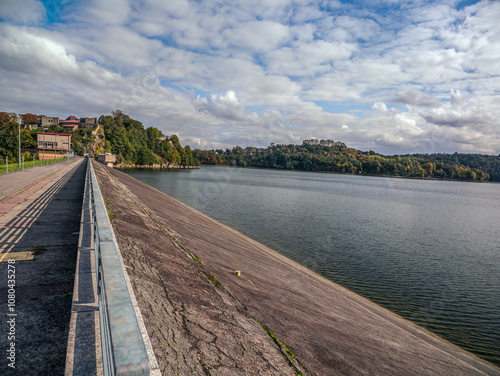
17,256
83,355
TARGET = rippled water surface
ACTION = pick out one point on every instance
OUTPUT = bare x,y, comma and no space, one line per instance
427,250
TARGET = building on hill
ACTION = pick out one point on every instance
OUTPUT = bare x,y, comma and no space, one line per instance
108,159
70,124
88,123
313,141
46,121
53,145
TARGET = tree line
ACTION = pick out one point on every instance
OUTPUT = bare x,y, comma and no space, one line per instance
334,156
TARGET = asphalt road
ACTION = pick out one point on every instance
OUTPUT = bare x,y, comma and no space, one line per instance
44,218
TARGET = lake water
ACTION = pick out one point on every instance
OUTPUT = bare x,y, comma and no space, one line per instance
427,250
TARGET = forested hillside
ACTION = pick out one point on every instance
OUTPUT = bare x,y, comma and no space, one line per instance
315,155
133,144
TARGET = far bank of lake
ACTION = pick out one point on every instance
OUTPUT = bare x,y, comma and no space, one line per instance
425,249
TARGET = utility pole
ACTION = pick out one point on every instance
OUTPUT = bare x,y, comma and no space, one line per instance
19,141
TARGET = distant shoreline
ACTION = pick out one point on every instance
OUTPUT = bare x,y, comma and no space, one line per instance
154,167
345,173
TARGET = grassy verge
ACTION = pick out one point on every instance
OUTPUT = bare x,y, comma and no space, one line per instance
15,166
111,215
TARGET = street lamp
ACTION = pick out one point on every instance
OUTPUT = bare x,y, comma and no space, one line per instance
19,141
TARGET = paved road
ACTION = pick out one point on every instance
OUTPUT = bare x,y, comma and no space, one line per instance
44,217
15,181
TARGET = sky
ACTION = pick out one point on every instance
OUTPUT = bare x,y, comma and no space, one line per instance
391,76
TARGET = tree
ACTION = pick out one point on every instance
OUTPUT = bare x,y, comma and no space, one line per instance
146,156
27,140
5,120
29,119
118,117
9,141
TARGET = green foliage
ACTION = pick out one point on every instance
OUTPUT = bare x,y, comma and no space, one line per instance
9,137
133,144
5,119
212,278
82,140
334,156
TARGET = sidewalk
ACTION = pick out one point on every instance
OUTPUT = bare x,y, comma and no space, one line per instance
40,212
15,181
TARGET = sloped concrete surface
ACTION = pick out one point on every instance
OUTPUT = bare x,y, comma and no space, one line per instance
276,318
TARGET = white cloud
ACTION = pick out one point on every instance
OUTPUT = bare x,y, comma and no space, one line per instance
379,106
416,98
257,35
225,106
123,48
407,124
97,13
30,12
308,58
456,98
26,52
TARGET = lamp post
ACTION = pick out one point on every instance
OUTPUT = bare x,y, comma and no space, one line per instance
19,141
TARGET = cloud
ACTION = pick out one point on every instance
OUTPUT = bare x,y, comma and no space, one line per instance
308,58
225,106
407,124
461,118
96,12
257,35
26,52
416,98
456,98
30,12
379,106
122,48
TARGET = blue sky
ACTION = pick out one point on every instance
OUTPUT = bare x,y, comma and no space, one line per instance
395,77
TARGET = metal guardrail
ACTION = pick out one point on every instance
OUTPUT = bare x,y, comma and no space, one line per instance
123,349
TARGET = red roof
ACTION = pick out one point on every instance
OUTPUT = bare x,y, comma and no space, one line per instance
60,134
73,118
